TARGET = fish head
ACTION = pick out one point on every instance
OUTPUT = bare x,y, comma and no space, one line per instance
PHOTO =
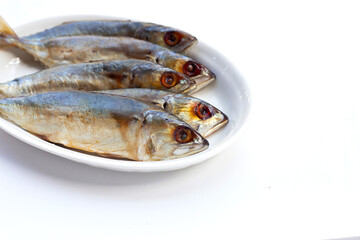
199,73
176,82
191,68
200,115
154,76
166,137
176,40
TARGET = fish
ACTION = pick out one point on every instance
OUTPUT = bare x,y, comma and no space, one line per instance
200,115
106,125
98,76
171,38
79,49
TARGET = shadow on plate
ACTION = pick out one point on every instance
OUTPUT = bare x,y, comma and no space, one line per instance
25,57
26,156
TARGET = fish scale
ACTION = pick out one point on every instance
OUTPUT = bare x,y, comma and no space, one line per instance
96,76
181,105
113,126
90,48
140,30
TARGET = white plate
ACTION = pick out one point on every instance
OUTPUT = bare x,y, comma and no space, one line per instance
229,93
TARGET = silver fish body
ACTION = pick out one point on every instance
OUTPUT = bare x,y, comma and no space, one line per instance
80,49
112,126
171,38
99,76
200,115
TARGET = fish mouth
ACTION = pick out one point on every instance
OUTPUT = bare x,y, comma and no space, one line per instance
204,79
217,126
188,44
191,88
192,148
186,84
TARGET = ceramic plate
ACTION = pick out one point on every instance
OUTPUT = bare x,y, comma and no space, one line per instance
229,93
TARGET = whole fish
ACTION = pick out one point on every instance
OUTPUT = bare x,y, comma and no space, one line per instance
171,38
98,76
79,49
111,126
200,115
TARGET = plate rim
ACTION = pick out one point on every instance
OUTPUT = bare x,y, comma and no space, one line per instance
126,165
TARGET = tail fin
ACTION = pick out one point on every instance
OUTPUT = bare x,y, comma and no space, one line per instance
5,32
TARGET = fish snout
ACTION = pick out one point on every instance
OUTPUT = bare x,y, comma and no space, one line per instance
198,144
204,79
188,43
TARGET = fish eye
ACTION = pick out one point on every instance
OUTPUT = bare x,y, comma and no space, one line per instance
183,134
202,111
169,80
191,69
172,38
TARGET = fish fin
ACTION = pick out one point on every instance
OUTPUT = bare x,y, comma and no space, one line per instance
5,32
5,28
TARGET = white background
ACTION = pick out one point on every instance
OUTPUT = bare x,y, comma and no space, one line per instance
294,173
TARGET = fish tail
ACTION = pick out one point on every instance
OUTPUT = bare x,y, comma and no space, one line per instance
7,35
